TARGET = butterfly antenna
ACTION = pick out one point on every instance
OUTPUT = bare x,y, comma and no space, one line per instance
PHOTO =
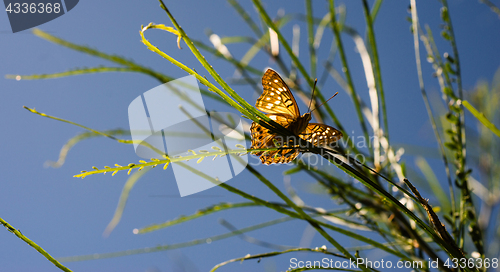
325,101
312,95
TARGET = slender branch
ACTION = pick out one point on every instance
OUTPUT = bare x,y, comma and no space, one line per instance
33,245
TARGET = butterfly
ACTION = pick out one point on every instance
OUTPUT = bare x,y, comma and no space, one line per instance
280,105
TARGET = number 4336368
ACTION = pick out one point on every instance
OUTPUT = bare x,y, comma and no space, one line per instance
472,263
33,8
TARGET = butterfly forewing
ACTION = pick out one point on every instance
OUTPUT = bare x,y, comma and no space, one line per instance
276,97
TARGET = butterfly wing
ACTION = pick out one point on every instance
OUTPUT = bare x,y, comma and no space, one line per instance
264,138
279,156
277,97
320,134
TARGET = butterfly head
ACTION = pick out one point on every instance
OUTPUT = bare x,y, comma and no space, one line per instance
306,117
302,122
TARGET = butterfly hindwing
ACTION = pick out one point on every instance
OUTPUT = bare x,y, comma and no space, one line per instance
263,138
277,97
320,134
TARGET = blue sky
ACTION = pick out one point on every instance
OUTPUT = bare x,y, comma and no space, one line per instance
67,216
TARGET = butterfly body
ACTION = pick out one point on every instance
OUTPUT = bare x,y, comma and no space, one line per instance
280,105
300,124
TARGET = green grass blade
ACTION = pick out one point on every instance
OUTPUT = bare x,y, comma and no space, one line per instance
302,214
209,210
33,245
246,17
192,72
131,181
492,6
416,31
389,198
275,253
480,116
434,184
281,209
345,68
236,63
376,66
375,9
241,105
131,66
467,208
208,67
78,138
310,38
372,91
172,246
74,72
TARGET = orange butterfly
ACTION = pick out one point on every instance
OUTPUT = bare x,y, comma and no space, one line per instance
279,104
